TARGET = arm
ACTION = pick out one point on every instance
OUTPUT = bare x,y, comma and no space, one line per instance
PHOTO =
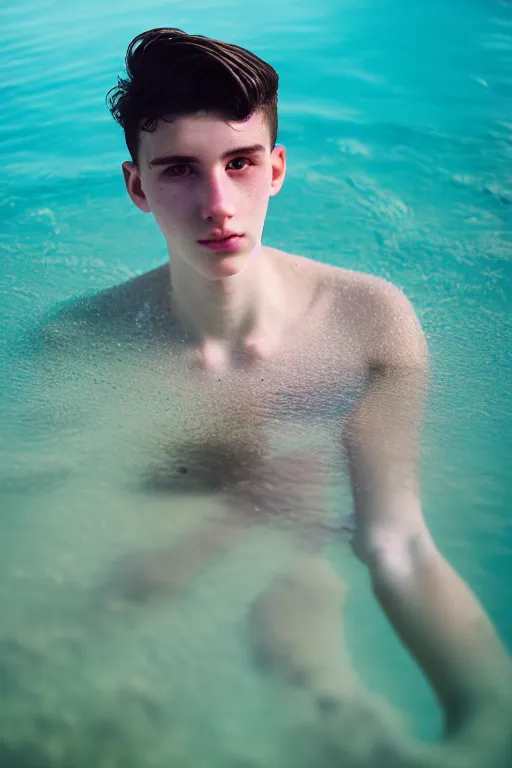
433,611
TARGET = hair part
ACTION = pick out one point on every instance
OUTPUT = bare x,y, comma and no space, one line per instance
172,74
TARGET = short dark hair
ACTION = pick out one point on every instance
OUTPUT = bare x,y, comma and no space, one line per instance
172,74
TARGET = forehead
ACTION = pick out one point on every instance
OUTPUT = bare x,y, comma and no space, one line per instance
204,136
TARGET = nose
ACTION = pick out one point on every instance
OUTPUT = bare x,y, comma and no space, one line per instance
217,200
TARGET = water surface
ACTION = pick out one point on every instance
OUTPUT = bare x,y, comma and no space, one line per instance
398,125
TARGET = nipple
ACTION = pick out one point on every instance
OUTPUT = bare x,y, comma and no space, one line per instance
212,357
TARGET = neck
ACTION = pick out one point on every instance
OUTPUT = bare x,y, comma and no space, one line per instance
231,310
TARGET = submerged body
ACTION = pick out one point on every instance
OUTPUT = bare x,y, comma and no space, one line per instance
226,428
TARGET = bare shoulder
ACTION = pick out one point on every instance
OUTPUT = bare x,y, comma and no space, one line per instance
121,301
383,317
374,311
117,303
108,310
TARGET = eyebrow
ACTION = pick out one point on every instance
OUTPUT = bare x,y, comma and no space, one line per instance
171,159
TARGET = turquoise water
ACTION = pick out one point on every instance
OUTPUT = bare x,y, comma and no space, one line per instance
398,124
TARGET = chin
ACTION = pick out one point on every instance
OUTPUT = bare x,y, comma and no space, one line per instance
222,266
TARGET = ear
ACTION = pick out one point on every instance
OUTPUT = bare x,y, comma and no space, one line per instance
133,183
278,160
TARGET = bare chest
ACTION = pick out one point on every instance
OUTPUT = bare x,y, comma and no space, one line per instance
216,420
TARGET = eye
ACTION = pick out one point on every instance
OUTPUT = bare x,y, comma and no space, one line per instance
177,171
241,162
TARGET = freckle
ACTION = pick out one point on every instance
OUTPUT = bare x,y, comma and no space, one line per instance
299,678
328,705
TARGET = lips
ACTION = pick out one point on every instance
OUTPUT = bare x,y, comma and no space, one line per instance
229,244
225,239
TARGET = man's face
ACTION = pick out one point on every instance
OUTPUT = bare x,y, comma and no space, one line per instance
204,178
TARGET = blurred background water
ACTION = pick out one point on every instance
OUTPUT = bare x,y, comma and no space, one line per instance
397,118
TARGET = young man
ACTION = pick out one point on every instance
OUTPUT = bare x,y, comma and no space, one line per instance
248,321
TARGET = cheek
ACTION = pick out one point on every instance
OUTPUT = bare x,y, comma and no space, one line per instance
257,193
170,207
